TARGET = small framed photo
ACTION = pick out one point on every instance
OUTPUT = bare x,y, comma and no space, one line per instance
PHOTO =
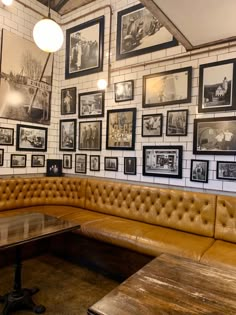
37,160
177,122
6,136
67,161
31,138
130,165
18,160
67,135
54,167
226,170
199,171
91,104
1,157
90,135
81,163
124,91
68,101
152,125
94,163
111,164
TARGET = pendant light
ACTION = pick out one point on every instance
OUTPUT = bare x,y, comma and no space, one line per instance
7,2
47,34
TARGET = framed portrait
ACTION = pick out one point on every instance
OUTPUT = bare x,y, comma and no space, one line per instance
152,125
1,157
67,135
217,86
215,136
130,165
18,160
54,167
111,163
26,73
90,135
37,160
91,104
81,163
199,171
226,170
67,161
84,48
94,163
139,32
121,125
6,136
177,122
31,138
167,88
68,101
124,91
162,161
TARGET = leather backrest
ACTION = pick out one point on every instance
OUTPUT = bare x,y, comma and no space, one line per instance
186,211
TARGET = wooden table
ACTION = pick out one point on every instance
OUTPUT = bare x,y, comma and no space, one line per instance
172,285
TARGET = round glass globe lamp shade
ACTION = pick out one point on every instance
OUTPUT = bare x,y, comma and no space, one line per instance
102,84
7,2
48,35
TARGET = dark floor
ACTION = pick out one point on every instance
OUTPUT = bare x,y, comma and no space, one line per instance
65,288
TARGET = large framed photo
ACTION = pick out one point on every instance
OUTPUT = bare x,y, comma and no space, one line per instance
130,165
67,161
177,122
215,136
167,88
67,135
54,167
91,104
18,160
199,171
139,32
1,157
90,135
25,81
217,86
31,138
226,170
84,48
37,160
121,125
68,101
94,163
162,161
111,164
81,163
152,125
6,136
124,91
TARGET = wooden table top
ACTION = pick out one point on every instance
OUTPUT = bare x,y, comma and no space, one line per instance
172,285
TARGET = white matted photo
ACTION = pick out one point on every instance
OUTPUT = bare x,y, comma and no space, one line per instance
199,171
31,138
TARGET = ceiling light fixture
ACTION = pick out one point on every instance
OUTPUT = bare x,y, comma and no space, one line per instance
7,2
47,34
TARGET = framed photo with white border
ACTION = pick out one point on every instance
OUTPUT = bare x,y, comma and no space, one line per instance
199,171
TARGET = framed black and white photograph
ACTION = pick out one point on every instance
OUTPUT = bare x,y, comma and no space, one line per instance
199,171
162,161
167,88
67,131
31,138
6,136
130,165
215,136
25,80
37,160
111,164
68,101
152,125
54,167
84,48
1,157
121,125
67,161
139,32
226,170
81,163
90,135
94,163
91,104
177,122
18,160
124,91
217,86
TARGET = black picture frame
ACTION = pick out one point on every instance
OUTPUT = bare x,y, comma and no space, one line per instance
226,170
91,60
152,125
31,138
124,91
130,165
6,136
37,160
120,131
94,164
215,136
199,171
67,161
162,161
217,86
91,104
68,101
167,88
90,135
177,122
67,134
81,163
129,37
18,160
54,167
1,157
111,163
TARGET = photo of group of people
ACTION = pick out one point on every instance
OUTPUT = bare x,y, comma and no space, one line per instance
90,135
